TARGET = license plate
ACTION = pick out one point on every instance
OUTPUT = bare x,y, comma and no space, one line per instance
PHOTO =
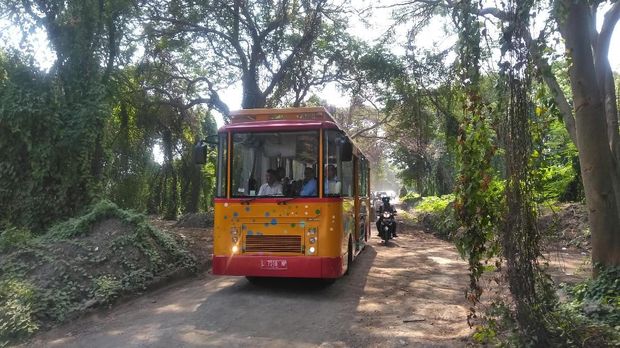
274,264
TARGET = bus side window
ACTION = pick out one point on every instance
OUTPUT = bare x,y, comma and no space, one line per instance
347,178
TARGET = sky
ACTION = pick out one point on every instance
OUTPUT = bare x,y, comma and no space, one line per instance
434,36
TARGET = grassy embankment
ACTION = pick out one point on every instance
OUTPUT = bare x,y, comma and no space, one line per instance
85,262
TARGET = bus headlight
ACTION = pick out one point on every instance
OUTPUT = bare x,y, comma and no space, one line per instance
312,231
235,249
311,250
312,240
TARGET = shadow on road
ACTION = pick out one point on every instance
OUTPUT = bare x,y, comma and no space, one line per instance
277,311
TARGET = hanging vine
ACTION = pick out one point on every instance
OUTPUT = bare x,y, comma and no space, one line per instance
520,238
475,205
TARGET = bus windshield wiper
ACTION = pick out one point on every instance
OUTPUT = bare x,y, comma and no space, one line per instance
286,200
247,201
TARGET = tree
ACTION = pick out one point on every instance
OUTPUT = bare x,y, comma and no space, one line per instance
590,114
592,121
272,48
68,105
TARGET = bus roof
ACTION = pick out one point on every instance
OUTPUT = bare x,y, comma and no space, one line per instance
311,113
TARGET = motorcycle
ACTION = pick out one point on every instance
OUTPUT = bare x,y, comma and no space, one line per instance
387,225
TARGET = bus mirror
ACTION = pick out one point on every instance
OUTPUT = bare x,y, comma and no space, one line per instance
346,151
200,152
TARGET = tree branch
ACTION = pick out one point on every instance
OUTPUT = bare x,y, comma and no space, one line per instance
306,39
605,78
544,68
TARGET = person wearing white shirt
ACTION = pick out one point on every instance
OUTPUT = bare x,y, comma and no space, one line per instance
332,183
272,187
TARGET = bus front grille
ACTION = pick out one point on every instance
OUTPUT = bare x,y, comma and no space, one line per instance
272,244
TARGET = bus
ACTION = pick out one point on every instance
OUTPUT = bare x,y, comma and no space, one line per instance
292,195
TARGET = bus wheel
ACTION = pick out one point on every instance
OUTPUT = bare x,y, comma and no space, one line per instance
349,256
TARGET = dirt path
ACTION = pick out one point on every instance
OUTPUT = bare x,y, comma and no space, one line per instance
409,293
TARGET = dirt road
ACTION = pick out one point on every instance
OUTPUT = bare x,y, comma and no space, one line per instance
409,293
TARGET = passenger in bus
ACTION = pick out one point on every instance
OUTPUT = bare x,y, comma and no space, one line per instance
309,183
272,187
332,183
281,173
285,181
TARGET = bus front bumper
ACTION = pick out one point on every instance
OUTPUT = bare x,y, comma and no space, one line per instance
278,266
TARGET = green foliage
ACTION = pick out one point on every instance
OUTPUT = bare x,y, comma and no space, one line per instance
411,198
105,288
33,189
17,301
589,318
571,328
86,261
81,225
13,237
555,156
599,298
302,44
591,315
442,222
438,215
434,204
477,206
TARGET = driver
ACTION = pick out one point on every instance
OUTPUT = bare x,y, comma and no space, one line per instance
272,187
386,206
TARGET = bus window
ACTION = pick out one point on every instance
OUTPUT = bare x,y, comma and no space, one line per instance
347,178
362,176
338,174
222,155
274,164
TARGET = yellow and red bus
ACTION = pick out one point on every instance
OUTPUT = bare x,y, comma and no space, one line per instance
292,195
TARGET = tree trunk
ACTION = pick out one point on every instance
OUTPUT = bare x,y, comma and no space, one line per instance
170,178
195,190
595,156
253,98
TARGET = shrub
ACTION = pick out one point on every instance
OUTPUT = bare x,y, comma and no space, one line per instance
599,299
590,317
410,199
14,237
434,204
17,299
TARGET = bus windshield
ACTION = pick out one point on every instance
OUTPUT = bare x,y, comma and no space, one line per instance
275,164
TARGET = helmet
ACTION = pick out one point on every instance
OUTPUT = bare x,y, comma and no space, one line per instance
385,199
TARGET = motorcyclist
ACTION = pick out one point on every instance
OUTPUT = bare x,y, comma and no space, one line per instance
386,206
